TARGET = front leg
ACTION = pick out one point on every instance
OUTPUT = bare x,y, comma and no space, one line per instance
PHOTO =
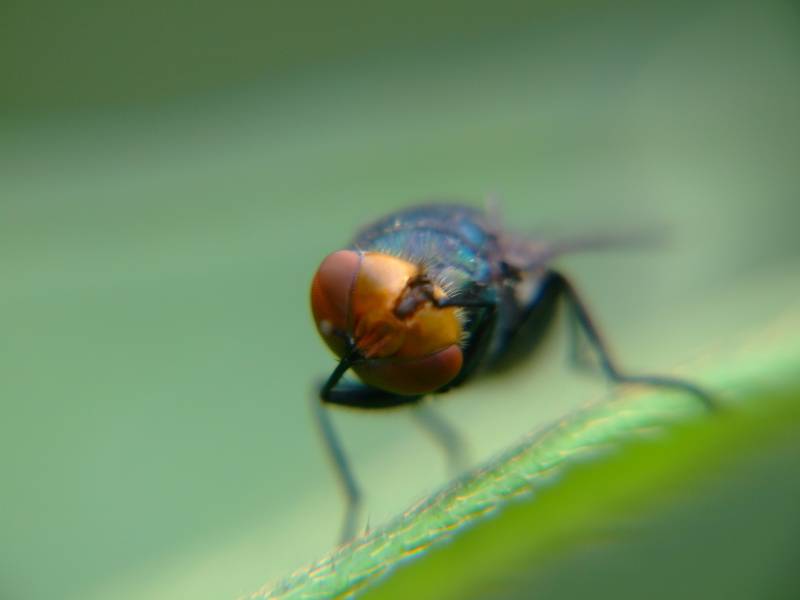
353,395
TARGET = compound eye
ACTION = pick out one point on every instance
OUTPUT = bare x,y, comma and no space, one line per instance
354,297
331,291
412,376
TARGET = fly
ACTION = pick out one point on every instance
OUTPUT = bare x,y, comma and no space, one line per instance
425,299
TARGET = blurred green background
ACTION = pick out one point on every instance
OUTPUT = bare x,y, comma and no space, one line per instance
171,173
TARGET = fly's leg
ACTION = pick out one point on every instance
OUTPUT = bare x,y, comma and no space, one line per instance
562,286
578,352
343,471
444,435
355,396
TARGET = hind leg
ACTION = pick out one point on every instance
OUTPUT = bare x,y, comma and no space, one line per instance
554,287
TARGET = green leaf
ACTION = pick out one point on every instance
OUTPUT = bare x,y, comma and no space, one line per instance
488,533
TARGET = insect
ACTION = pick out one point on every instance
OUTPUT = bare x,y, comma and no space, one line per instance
427,298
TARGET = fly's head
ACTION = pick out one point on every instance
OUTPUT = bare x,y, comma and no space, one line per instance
387,310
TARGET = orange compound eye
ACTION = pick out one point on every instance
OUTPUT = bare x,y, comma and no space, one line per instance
413,376
331,290
413,350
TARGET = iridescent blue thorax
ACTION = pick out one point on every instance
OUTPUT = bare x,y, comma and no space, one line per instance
453,242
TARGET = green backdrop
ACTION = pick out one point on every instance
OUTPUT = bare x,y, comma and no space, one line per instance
171,173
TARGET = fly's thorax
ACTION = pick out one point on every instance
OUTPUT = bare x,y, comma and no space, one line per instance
386,308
